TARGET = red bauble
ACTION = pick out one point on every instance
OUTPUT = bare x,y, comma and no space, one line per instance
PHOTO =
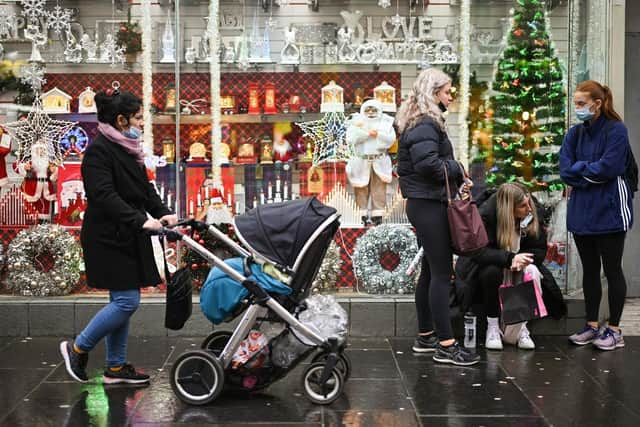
518,32
201,241
516,82
194,266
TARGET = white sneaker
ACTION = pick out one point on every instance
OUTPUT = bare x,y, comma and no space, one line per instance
524,340
494,338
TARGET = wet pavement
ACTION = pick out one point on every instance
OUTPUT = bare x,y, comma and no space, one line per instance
557,384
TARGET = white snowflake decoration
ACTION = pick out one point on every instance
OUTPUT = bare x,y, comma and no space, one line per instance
8,25
33,9
59,20
33,75
329,138
39,127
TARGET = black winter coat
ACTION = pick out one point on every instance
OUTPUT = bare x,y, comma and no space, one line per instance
423,152
117,253
467,267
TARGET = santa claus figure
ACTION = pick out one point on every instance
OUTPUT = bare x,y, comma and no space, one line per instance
5,148
282,149
39,176
218,212
371,134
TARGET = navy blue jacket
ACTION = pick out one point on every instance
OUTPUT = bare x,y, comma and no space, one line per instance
601,201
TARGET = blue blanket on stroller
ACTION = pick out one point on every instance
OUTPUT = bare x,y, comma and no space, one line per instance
220,293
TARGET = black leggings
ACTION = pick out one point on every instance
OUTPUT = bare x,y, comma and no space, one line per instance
490,278
607,248
429,217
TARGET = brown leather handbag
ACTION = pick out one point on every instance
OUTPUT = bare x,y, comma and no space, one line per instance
465,223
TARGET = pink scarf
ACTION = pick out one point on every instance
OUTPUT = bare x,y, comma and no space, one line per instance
131,146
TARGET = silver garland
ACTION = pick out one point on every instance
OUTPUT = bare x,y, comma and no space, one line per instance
395,238
26,275
327,276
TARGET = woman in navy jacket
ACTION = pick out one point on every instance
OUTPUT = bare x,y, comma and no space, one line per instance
423,155
593,160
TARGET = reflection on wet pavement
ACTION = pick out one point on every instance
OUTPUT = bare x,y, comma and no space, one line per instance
555,385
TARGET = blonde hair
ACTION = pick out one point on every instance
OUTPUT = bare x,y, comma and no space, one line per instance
510,195
422,100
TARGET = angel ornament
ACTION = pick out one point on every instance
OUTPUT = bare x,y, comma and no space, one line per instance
290,53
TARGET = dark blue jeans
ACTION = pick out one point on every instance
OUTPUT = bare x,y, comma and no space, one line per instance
112,322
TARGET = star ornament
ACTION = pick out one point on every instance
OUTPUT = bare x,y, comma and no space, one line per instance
329,138
39,127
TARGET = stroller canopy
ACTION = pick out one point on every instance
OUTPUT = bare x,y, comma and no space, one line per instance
278,232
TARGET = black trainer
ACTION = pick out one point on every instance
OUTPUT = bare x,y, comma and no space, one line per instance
126,375
425,343
76,363
456,355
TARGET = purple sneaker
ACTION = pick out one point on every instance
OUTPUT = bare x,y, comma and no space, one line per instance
609,340
585,336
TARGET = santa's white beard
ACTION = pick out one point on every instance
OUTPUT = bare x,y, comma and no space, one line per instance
282,148
40,165
219,215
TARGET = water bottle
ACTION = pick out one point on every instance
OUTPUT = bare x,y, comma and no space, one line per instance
470,330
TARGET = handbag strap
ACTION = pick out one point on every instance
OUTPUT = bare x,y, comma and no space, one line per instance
167,275
446,181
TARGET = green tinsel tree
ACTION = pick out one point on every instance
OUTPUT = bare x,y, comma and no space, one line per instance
199,266
528,102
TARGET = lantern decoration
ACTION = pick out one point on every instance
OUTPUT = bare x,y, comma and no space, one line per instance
270,99
228,104
56,101
294,103
254,99
266,150
86,102
169,150
332,98
170,101
358,97
246,153
386,94
197,152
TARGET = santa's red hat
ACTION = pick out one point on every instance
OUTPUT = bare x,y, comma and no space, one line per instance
216,196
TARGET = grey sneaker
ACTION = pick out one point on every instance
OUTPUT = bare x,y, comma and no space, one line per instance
585,336
425,343
609,340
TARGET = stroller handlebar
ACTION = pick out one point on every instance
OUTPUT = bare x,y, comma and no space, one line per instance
171,235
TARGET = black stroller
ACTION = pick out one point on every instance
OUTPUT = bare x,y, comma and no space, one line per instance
293,237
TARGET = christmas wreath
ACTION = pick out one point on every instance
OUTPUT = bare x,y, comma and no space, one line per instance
43,261
370,248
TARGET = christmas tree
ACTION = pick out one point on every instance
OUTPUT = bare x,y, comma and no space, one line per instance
528,99
199,266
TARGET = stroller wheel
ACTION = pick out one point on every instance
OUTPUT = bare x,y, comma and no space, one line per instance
197,377
318,393
343,365
216,341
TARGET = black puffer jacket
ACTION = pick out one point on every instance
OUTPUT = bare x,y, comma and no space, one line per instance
467,267
423,153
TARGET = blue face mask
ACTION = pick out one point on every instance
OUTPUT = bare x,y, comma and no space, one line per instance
133,133
584,114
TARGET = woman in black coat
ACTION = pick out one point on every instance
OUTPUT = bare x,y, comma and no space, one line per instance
424,154
117,252
517,239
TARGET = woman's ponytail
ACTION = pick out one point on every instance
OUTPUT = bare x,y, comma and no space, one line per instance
607,105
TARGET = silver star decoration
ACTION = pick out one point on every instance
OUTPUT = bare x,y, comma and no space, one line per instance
39,127
59,20
33,75
33,9
329,138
